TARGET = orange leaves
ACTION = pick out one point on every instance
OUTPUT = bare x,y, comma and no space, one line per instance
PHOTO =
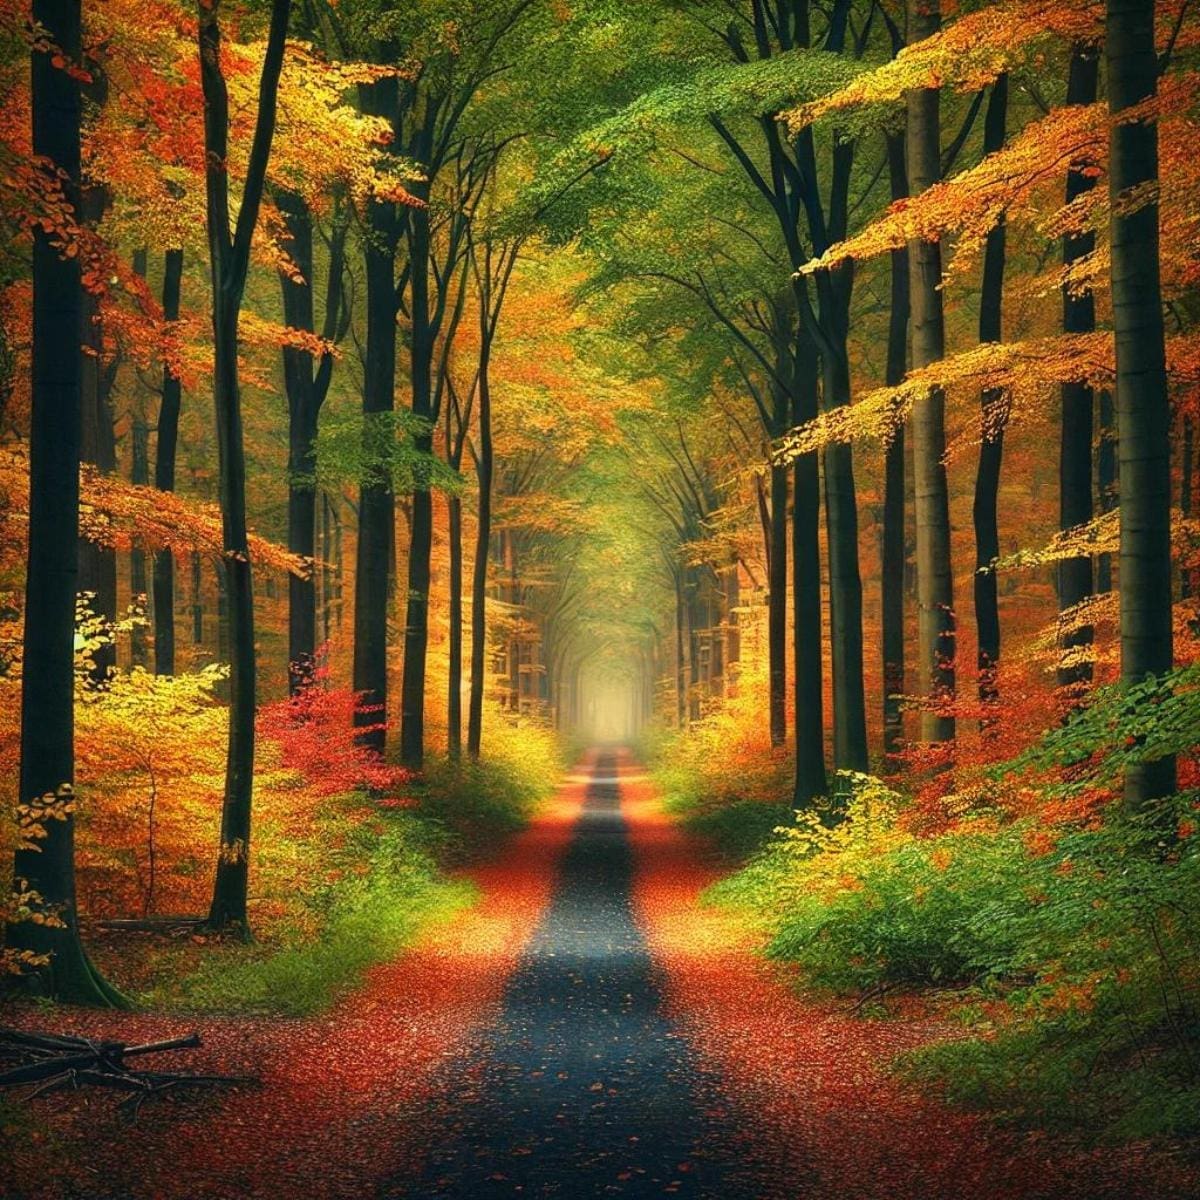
119,514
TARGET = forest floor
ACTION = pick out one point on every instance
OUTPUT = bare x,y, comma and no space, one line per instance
587,1029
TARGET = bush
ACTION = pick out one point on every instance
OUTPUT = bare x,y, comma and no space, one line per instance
1075,949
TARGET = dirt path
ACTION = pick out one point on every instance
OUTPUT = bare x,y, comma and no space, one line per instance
587,1030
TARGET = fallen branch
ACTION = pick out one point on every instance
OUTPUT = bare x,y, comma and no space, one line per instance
56,1063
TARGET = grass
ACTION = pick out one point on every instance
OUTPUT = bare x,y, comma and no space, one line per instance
349,891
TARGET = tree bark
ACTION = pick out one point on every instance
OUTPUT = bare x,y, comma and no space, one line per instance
992,421
892,567
48,685
484,465
1143,408
810,779
777,568
376,504
454,674
935,578
166,444
416,623
1078,403
229,263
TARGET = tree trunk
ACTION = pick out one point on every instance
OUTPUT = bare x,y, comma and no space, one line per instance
892,567
416,624
935,578
1075,445
483,542
1143,408
229,262
992,420
845,581
139,474
376,504
810,779
48,685
165,447
454,680
777,605
302,435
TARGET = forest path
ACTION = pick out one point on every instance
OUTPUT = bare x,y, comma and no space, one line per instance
583,1086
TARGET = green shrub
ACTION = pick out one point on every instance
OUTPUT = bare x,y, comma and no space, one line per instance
1076,948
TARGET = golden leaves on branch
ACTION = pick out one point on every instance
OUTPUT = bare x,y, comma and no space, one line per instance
115,513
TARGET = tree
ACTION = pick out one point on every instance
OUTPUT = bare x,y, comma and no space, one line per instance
992,404
935,578
306,377
1143,407
1078,400
229,260
166,446
45,864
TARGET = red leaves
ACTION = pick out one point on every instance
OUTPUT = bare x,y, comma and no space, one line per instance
317,737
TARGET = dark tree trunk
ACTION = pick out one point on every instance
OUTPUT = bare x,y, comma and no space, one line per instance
777,598
376,505
845,581
992,419
416,624
307,383
894,550
1143,408
48,684
229,263
139,474
484,464
97,564
1078,403
935,578
165,447
810,779
302,436
454,674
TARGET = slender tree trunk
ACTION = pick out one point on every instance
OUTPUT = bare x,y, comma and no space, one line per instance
777,605
376,505
139,474
229,263
302,435
1078,404
165,447
935,578
416,624
992,421
810,779
845,581
454,680
97,564
892,568
47,770
1143,408
483,540
681,712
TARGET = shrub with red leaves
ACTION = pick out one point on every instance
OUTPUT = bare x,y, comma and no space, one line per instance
316,734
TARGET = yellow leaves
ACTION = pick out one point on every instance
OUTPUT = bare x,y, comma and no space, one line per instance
1024,370
965,56
233,852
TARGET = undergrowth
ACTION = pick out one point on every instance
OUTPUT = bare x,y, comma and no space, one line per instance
1057,928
